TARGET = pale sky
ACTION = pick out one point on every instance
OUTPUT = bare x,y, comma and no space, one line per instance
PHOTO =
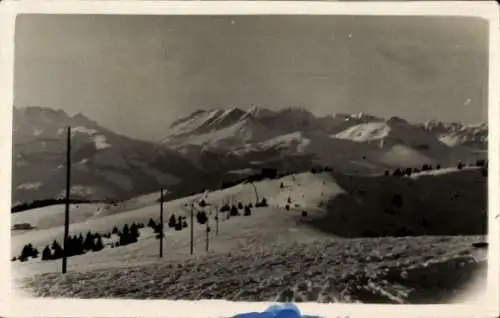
137,74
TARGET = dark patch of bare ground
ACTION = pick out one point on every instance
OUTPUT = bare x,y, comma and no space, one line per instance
448,204
378,270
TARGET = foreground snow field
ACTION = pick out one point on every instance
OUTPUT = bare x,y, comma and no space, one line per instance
273,254
388,270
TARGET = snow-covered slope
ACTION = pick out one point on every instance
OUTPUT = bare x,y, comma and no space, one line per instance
286,248
402,144
336,203
454,134
105,165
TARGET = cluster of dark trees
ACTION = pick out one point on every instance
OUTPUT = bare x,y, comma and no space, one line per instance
27,252
483,164
399,172
234,210
176,222
77,245
201,217
55,251
321,169
128,234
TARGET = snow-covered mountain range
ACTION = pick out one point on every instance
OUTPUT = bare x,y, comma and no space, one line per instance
358,142
208,144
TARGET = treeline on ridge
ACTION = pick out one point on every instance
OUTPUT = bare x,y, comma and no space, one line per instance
48,202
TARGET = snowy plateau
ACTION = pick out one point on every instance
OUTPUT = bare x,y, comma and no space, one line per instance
341,208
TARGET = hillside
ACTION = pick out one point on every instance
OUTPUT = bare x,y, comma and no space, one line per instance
106,166
336,204
281,243
453,202
198,151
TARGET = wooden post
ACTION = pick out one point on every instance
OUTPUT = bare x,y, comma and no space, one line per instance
216,221
161,223
208,232
191,229
66,211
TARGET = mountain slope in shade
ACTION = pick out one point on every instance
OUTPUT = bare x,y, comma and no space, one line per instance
105,165
358,142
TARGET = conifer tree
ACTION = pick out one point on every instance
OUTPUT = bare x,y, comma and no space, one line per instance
247,211
71,246
125,236
233,211
134,233
172,221
25,253
46,253
57,251
88,244
98,246
151,223
179,226
80,244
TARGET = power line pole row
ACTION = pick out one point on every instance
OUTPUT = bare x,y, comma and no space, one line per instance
161,234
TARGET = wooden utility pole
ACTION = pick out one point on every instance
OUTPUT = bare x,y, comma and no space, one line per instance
208,232
191,229
216,221
66,211
161,223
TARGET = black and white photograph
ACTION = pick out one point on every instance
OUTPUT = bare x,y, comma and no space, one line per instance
335,159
